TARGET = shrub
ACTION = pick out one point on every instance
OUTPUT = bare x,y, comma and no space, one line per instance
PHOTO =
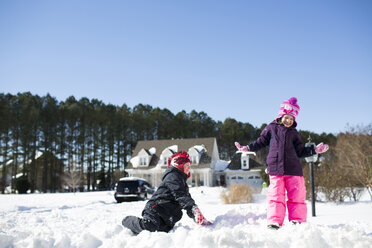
22,185
238,193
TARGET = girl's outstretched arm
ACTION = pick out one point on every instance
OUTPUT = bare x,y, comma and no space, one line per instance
262,141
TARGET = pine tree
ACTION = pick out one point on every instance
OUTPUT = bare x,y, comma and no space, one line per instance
5,126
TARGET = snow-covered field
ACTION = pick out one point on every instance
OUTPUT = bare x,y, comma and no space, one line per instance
94,220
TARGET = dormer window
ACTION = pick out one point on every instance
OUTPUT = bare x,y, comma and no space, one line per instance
166,154
143,161
245,162
195,154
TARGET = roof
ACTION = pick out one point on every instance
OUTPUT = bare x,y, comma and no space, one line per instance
235,163
183,144
221,165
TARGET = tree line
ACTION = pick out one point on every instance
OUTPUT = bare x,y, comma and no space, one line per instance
97,139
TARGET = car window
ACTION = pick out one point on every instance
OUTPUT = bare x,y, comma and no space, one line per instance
127,184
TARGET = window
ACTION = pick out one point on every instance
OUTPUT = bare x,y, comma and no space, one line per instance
143,161
245,162
165,155
165,161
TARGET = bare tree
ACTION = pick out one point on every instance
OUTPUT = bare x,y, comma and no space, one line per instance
72,177
335,183
354,152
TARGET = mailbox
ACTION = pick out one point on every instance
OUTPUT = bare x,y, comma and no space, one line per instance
314,158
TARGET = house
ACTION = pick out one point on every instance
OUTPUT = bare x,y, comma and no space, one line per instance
244,169
44,172
150,159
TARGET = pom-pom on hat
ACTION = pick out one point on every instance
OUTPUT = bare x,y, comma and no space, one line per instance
289,107
179,159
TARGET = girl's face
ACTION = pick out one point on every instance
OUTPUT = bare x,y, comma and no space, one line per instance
186,168
287,120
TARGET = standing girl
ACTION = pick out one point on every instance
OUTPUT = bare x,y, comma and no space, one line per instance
283,165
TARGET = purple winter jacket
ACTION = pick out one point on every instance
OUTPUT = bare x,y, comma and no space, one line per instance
286,148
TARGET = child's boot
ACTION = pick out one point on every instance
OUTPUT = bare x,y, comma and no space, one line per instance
274,226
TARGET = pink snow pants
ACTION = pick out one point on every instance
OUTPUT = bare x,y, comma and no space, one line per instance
296,194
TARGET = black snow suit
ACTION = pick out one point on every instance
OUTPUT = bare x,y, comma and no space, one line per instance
164,208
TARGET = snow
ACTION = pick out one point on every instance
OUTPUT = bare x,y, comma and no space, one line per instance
200,148
135,161
173,148
93,219
131,178
221,165
152,150
246,153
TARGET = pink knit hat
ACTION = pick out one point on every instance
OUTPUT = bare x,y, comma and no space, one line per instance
289,107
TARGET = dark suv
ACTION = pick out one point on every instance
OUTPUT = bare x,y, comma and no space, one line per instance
132,188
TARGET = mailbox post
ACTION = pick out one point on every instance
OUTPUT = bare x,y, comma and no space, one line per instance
311,160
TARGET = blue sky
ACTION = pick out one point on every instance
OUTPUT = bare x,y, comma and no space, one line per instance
237,59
